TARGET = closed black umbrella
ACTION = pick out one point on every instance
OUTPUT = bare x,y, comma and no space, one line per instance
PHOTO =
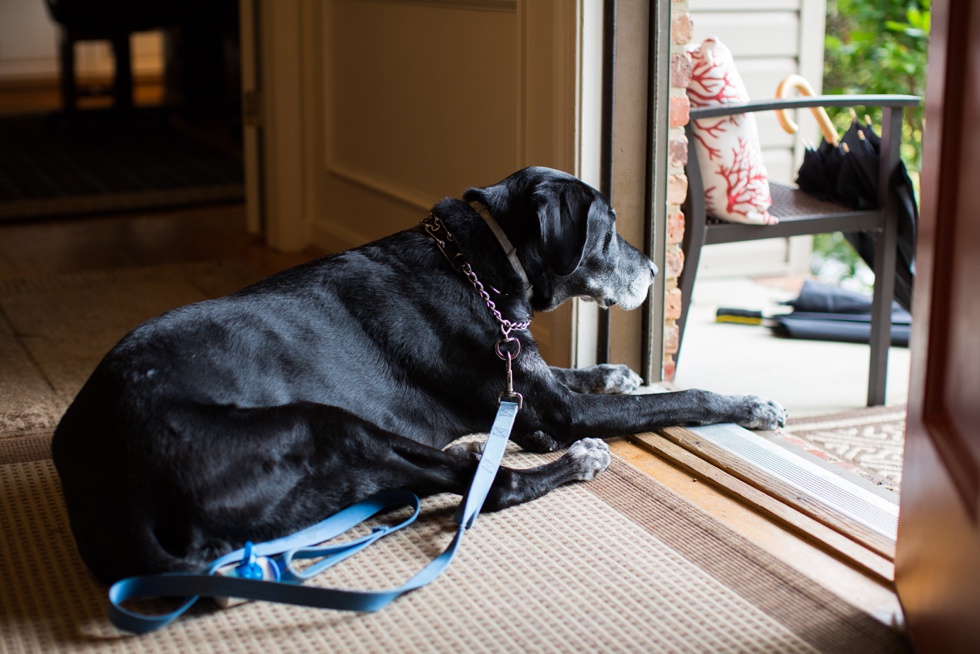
820,170
841,329
823,312
857,188
846,172
857,181
821,166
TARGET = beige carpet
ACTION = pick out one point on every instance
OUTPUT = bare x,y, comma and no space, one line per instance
868,442
617,564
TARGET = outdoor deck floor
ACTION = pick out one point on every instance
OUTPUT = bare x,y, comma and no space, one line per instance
807,377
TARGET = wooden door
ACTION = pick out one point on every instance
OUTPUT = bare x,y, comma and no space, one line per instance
938,552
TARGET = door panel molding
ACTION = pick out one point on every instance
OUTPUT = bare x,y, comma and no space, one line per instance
407,195
423,99
481,5
947,390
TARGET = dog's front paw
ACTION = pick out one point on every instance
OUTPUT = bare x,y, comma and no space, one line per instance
620,379
762,413
609,378
591,455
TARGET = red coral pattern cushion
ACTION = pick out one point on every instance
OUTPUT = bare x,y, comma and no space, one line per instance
736,185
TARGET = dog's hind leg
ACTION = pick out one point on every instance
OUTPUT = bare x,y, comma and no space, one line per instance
261,473
583,461
426,471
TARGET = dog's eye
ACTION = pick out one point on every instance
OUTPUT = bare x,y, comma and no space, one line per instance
608,241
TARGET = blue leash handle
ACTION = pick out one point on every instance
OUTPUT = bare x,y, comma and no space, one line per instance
280,554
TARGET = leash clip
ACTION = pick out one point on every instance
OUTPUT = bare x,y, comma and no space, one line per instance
509,355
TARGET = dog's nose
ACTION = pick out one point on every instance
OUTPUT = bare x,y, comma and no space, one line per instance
653,269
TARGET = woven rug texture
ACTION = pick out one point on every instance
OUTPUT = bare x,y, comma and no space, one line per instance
101,164
617,564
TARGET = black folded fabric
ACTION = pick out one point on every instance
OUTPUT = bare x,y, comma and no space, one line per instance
899,316
828,313
817,297
846,331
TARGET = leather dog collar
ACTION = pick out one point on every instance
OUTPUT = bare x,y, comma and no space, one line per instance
505,243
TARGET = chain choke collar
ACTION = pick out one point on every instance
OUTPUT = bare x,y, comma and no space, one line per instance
507,348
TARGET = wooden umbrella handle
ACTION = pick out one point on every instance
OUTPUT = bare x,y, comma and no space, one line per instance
803,87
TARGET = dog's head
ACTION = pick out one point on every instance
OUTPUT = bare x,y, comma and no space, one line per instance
565,234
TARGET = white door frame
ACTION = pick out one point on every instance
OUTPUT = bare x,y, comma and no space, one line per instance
277,41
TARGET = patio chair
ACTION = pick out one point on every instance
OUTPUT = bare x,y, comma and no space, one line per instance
800,214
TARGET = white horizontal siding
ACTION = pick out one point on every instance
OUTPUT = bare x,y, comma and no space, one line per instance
701,6
751,34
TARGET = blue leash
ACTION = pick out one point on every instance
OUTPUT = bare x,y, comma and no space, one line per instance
265,571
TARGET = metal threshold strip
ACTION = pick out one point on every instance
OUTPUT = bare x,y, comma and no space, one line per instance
835,491
829,508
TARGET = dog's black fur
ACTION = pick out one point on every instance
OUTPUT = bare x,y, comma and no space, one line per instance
254,415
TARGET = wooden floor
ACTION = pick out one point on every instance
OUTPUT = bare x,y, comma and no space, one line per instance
46,247
44,94
43,247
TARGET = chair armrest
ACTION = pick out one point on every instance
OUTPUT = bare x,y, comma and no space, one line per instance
806,103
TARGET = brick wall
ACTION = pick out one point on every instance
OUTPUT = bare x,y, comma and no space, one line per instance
680,77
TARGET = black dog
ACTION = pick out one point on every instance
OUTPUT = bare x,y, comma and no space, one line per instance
254,415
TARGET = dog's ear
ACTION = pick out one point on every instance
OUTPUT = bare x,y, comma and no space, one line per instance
563,215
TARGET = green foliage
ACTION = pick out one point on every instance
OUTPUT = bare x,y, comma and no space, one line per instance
834,261
879,46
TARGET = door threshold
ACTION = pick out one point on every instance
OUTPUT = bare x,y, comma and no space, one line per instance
845,494
855,573
792,488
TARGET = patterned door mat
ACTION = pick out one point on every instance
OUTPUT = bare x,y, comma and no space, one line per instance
869,442
102,165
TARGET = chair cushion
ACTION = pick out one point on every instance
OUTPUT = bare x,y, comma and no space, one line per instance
736,185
